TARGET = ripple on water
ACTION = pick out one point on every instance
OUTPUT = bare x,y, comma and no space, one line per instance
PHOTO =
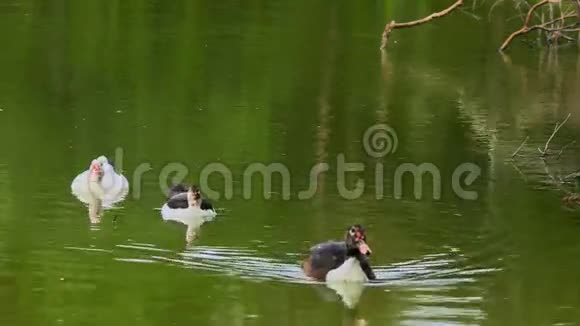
430,284
434,270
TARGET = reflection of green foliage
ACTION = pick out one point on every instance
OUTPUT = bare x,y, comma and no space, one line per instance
202,81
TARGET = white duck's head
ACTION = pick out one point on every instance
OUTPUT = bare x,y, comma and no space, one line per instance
105,164
95,170
102,159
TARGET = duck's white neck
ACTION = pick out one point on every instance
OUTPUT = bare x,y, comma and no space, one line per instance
94,177
95,171
349,271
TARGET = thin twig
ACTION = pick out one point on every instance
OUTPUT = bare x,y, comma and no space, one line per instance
568,38
519,148
554,30
394,25
560,19
514,17
526,27
563,148
557,183
572,175
519,171
558,126
496,3
470,14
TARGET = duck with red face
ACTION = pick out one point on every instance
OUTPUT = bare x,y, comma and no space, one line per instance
100,187
345,261
96,171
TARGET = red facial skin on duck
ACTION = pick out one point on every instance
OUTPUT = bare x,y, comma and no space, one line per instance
361,244
364,248
96,171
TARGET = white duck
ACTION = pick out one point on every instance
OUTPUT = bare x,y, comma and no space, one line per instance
100,187
185,205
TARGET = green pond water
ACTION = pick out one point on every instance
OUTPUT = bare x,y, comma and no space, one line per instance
178,84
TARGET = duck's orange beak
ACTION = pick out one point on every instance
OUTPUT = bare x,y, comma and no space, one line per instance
364,248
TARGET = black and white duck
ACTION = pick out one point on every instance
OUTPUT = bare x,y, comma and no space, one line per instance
341,261
187,206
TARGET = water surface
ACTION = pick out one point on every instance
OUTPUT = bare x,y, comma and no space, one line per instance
196,82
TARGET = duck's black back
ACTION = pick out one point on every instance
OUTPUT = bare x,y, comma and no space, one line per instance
178,201
328,255
176,190
206,205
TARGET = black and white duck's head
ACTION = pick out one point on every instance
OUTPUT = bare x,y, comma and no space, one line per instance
355,240
193,195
